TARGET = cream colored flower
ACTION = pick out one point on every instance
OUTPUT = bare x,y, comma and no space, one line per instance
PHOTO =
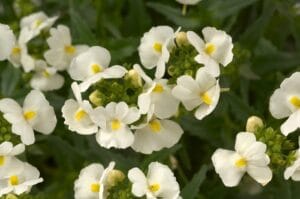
7,41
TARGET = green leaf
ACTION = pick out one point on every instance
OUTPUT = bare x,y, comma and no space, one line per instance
9,80
191,190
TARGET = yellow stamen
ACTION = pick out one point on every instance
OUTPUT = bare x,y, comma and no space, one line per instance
295,101
2,160
206,98
16,51
46,74
210,48
37,23
80,114
158,88
240,163
154,187
157,47
115,124
14,180
155,126
29,115
95,187
70,49
96,68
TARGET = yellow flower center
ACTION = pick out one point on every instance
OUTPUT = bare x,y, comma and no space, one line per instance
29,115
210,48
2,160
206,98
80,114
70,49
154,187
157,47
155,126
158,88
295,101
16,51
95,187
96,68
115,124
13,180
37,23
240,163
46,74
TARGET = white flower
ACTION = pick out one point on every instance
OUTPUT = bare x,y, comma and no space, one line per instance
61,50
160,182
114,121
285,102
188,2
157,97
36,114
46,78
77,114
155,46
294,170
92,182
37,22
156,135
7,153
215,49
92,65
19,54
202,92
19,179
249,156
7,40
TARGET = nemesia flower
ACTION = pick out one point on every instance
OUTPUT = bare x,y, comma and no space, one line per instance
188,2
156,135
114,121
36,114
215,49
249,157
37,22
19,179
7,153
92,65
92,182
154,47
7,40
202,92
160,182
61,50
293,171
157,97
285,102
19,54
46,78
77,114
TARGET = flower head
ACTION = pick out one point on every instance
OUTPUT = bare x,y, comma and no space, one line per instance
36,114
249,157
285,102
114,121
7,153
7,40
62,51
215,49
160,182
202,92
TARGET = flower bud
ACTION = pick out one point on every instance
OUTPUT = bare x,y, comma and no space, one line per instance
95,98
181,39
134,77
253,123
114,177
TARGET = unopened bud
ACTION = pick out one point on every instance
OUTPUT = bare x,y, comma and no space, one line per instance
114,177
181,39
95,98
253,123
174,162
135,77
11,196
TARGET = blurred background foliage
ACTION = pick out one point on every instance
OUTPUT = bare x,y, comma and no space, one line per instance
266,34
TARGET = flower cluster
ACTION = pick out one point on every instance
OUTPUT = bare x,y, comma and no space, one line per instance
96,182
